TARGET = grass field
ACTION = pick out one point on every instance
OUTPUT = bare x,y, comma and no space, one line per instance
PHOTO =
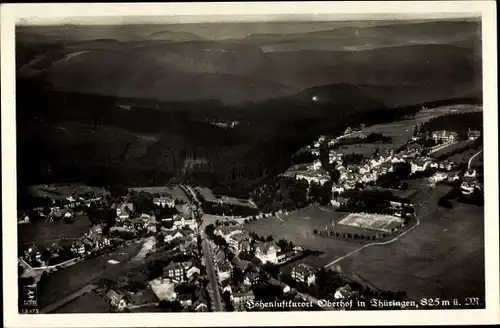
71,279
210,197
444,255
298,228
174,191
450,148
378,222
401,131
56,191
46,233
463,158
88,303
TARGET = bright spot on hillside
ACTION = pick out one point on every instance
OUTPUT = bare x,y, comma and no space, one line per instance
315,98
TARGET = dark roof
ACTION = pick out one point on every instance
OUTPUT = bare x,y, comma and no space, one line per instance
225,266
265,246
304,268
112,295
172,266
244,294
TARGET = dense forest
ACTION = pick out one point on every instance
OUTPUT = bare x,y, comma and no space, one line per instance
144,142
459,123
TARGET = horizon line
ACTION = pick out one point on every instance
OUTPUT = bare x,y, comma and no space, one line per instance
110,20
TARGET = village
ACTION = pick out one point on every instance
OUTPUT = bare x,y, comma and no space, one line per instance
189,263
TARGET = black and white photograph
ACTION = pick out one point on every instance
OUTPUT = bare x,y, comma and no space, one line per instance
289,162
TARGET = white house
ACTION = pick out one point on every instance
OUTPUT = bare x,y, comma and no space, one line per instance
434,165
172,235
364,169
438,177
224,269
124,210
444,136
164,201
316,165
116,300
337,188
266,252
467,188
343,292
470,173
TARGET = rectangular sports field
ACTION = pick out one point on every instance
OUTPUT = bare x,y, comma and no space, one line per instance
380,222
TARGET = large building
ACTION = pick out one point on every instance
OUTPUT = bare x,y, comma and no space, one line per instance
304,273
174,272
444,136
473,134
267,252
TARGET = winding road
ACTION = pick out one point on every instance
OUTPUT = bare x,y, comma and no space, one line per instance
472,157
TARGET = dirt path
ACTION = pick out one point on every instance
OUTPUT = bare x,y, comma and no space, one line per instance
374,244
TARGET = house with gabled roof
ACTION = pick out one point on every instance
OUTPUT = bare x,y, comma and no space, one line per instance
251,278
190,269
174,272
124,211
117,300
224,269
243,297
343,292
266,252
172,235
304,273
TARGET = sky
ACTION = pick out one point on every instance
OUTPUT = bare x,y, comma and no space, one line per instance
190,19
223,27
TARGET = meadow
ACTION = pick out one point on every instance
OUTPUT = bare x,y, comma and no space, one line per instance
61,191
443,255
87,303
298,227
402,131
46,233
75,277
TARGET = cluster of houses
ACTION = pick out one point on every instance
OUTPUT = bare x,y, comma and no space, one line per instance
93,240
63,209
239,241
383,162
178,273
306,274
470,182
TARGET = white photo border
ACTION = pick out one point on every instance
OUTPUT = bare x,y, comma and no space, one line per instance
12,13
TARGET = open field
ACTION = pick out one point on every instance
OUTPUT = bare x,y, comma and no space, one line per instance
210,197
164,290
88,303
448,109
173,191
298,228
371,221
444,255
406,194
46,233
147,246
56,191
401,131
464,157
450,148
69,280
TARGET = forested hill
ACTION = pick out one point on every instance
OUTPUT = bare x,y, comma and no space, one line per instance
102,140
